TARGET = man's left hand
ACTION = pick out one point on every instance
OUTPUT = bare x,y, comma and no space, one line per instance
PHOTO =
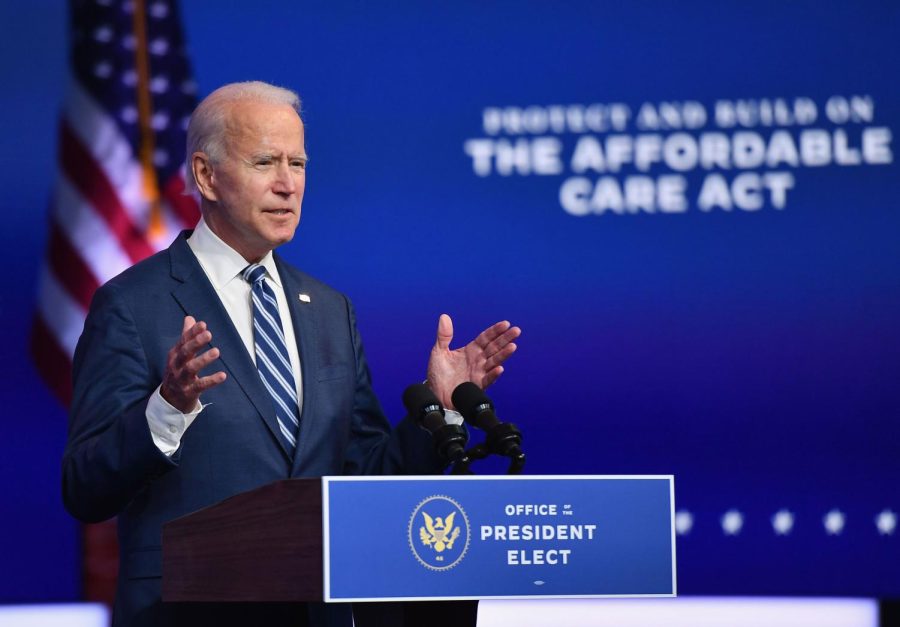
480,361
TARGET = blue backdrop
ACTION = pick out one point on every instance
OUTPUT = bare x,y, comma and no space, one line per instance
568,167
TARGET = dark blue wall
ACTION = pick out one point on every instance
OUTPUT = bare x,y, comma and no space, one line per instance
754,354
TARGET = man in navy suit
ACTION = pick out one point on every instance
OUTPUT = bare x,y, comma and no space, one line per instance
170,413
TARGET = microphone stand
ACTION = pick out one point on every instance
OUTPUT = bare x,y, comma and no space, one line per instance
498,440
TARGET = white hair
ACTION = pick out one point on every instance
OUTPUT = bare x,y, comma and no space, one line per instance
206,130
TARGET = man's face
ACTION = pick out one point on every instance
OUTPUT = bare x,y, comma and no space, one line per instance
257,188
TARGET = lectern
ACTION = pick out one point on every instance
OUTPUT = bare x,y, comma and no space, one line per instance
266,546
391,539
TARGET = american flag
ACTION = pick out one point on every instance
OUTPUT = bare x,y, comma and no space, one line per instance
119,193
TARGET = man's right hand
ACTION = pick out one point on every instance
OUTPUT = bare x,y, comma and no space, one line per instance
181,387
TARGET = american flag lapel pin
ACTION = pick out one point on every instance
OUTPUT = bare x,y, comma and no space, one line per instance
304,298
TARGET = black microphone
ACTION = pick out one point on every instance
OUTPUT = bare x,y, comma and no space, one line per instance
425,408
503,438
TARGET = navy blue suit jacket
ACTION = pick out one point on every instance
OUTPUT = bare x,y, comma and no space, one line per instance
111,465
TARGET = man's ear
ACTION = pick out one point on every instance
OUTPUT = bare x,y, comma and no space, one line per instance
202,170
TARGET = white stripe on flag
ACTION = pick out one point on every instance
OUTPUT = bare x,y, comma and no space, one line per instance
62,315
88,233
100,135
172,225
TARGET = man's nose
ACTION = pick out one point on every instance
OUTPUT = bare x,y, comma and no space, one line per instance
284,180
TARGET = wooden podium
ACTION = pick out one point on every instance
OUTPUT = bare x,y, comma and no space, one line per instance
265,546
418,550
259,546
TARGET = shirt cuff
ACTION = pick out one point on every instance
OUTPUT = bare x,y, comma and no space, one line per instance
452,417
168,424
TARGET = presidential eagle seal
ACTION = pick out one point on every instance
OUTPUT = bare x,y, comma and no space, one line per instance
438,533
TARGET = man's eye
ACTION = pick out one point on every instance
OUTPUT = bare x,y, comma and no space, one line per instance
298,163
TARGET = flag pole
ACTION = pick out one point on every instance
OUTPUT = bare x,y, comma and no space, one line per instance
155,227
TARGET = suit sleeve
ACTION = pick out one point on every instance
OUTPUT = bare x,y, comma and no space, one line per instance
110,455
374,447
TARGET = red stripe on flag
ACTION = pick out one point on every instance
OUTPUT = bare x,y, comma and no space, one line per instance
53,364
185,207
70,269
91,181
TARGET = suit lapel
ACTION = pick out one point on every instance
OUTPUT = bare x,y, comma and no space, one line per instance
198,299
306,333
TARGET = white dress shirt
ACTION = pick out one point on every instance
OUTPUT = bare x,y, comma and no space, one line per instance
223,266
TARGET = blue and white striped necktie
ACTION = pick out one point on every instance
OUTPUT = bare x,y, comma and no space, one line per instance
272,359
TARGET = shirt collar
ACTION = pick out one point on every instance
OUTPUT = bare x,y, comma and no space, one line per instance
220,261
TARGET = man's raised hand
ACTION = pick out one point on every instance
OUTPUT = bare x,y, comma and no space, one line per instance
480,361
181,385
